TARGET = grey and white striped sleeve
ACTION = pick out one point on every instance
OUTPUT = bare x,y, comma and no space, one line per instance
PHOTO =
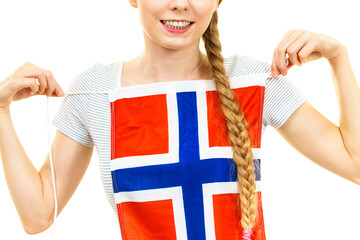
71,118
282,98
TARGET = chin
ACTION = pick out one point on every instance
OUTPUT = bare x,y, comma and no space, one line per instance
174,45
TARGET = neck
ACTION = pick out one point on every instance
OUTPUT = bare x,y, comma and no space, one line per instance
162,64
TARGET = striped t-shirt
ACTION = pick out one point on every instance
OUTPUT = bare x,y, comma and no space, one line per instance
85,118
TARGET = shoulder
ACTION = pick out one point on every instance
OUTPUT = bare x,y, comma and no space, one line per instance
108,75
83,79
96,77
240,65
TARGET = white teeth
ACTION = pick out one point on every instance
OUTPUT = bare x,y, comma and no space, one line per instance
176,24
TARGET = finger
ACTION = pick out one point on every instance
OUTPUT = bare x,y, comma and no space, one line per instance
57,89
42,81
47,82
60,92
286,36
308,52
31,82
30,71
274,67
289,64
55,94
281,50
295,48
275,70
51,83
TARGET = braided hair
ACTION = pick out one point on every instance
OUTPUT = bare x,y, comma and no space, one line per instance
236,128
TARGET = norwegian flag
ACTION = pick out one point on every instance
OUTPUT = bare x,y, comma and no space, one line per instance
171,161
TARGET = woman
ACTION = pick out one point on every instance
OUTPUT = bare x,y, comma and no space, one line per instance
166,48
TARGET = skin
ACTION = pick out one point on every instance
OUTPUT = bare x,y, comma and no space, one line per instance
168,55
35,203
340,153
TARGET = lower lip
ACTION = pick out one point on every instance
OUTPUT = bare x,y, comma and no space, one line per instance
176,30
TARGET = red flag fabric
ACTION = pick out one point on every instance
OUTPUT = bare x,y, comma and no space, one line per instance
171,161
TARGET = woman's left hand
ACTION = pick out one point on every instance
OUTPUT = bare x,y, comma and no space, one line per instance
301,47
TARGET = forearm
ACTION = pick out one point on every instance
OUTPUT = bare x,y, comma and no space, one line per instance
22,178
348,94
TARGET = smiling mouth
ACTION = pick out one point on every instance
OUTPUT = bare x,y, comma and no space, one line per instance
176,23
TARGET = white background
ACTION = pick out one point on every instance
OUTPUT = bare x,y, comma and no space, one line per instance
301,200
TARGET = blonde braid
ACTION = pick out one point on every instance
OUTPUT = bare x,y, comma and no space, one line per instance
236,126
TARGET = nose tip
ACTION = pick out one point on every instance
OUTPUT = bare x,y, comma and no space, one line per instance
179,4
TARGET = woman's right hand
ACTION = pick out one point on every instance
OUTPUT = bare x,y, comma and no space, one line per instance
22,83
